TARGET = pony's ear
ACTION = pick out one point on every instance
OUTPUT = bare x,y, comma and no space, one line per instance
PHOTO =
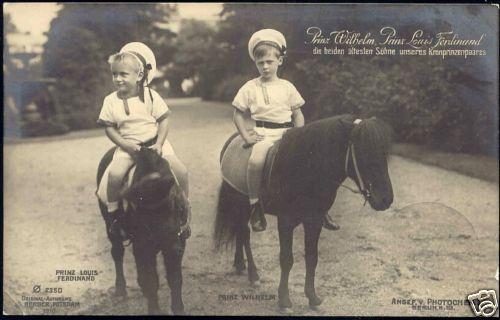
346,123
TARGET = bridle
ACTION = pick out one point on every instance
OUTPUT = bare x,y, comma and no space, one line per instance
363,189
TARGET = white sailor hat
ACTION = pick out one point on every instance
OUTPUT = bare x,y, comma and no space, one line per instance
145,56
271,36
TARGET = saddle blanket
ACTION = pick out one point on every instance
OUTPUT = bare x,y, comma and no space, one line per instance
234,164
102,190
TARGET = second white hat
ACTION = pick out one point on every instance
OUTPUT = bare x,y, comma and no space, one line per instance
270,35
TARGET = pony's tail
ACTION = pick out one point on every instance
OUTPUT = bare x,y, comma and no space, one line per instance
233,212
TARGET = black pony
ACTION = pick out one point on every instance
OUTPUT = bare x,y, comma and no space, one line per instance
156,210
310,164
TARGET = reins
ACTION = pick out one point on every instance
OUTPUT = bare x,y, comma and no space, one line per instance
351,153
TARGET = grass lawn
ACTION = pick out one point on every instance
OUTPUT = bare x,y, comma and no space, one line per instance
477,166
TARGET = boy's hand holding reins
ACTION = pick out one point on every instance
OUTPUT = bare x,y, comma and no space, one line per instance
131,148
157,148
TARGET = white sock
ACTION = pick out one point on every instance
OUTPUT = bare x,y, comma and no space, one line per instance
112,206
253,201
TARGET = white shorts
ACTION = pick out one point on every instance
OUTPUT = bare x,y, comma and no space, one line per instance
166,150
260,149
271,135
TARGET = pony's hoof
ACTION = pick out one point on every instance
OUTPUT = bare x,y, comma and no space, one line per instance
285,304
154,311
120,292
314,303
239,269
286,310
236,271
315,308
253,277
239,272
180,312
255,283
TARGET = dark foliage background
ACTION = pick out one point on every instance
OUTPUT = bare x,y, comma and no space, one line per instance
450,104
447,103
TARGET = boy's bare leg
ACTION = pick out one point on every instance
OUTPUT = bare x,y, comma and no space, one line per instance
254,175
180,172
118,169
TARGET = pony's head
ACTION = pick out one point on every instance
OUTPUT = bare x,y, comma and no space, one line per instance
366,161
155,189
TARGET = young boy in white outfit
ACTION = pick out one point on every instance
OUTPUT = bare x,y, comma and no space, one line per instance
273,103
133,119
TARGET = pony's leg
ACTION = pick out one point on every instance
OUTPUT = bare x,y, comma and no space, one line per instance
253,275
147,277
285,231
312,231
117,252
239,260
172,259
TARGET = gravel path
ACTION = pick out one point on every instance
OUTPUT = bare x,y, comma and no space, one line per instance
438,241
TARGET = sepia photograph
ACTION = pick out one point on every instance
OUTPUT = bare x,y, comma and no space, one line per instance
250,159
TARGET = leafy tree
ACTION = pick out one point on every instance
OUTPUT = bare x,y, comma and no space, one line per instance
195,46
80,40
8,27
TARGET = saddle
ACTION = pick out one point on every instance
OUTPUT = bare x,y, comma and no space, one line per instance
234,163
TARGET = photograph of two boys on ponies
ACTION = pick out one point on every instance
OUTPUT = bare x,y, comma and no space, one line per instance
378,159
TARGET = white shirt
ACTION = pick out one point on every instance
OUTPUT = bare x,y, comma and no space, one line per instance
141,124
269,101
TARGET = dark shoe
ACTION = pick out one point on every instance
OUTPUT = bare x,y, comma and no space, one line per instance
257,218
116,229
329,224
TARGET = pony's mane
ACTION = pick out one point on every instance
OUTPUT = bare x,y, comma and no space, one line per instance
310,142
372,137
149,161
310,153
316,151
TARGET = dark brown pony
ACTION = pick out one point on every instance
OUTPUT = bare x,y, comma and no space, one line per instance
310,164
153,219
